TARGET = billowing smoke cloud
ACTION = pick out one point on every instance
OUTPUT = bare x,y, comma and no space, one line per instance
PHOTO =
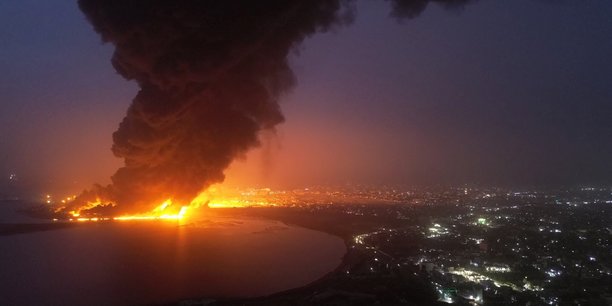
210,74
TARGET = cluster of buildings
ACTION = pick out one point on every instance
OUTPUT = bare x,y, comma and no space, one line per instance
492,247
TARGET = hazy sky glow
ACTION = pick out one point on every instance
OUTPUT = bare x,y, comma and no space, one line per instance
502,92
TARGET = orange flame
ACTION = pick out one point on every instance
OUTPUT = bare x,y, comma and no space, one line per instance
213,197
217,197
159,213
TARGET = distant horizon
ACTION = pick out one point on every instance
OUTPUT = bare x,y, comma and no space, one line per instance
38,196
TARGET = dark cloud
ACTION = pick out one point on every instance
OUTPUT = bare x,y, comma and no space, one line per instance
210,74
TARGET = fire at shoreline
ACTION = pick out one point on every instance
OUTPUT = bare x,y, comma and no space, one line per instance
159,213
169,210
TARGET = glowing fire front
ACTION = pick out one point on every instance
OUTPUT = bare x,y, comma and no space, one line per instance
161,212
168,210
87,206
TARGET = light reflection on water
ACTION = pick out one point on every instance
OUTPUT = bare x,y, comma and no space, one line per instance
152,262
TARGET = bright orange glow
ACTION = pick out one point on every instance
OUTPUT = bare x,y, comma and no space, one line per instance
89,205
218,197
213,197
88,219
161,212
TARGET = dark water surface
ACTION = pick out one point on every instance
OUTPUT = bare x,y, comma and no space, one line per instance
124,263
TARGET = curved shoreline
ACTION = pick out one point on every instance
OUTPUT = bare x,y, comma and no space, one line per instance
11,229
297,290
323,278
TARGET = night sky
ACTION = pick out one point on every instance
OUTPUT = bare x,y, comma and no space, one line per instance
496,93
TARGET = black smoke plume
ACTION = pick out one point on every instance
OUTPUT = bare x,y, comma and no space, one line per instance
210,74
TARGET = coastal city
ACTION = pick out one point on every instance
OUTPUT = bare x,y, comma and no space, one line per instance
445,245
479,246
